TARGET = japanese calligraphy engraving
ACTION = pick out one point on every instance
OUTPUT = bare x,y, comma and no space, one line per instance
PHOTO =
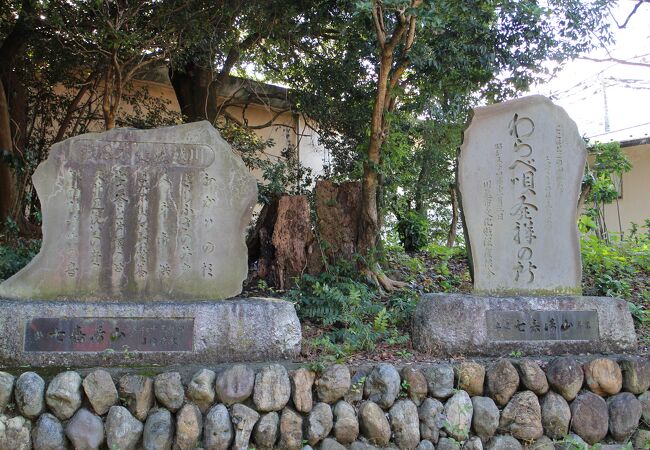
541,325
519,173
140,214
98,334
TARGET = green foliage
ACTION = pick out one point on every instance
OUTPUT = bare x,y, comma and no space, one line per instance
413,231
352,316
15,251
600,184
613,267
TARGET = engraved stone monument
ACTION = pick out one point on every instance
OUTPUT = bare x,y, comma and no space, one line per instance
143,238
519,173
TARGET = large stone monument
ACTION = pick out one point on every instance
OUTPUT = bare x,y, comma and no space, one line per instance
519,174
143,238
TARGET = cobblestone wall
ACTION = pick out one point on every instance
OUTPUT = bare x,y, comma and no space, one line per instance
501,404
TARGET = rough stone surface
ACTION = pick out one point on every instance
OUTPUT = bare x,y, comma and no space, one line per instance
486,417
100,390
636,375
503,442
14,433
158,431
624,414
235,384
123,431
189,425
217,429
373,424
471,377
266,431
459,411
447,444
432,419
440,379
522,417
200,390
355,393
48,434
63,395
543,443
137,391
29,392
532,376
7,381
589,417
346,424
565,377
272,388
425,445
244,419
641,439
382,385
290,429
645,406
169,391
544,255
455,324
319,423
416,383
502,381
603,376
243,329
302,381
331,444
556,415
405,424
473,443
572,442
85,430
184,174
333,383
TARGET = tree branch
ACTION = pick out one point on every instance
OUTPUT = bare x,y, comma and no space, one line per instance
616,60
629,16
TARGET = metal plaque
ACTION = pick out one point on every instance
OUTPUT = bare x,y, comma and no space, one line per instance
542,325
81,334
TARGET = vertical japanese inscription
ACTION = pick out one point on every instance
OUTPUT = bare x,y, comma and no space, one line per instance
525,207
140,214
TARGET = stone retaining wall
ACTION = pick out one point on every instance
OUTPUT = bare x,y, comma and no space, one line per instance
503,404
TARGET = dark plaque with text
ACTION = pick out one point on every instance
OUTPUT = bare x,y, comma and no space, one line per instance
542,325
79,334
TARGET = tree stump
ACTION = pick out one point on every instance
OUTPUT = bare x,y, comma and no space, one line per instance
293,241
338,208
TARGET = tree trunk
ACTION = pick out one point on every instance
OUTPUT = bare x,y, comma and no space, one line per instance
451,236
293,240
260,248
338,214
369,223
7,183
196,93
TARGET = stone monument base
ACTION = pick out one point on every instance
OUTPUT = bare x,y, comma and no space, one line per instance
84,334
472,325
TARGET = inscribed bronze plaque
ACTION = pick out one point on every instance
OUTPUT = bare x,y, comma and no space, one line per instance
80,334
542,325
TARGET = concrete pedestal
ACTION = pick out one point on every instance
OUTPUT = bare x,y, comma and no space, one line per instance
472,325
84,334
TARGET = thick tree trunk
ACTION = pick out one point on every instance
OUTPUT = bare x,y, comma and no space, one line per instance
196,92
293,240
338,214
